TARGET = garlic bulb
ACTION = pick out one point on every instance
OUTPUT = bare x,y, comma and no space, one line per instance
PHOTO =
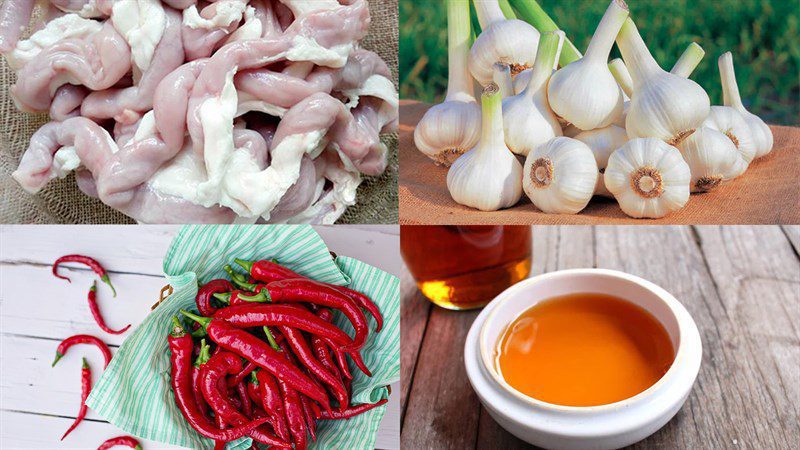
584,92
560,176
731,124
663,105
603,142
523,78
648,177
712,158
508,42
761,134
623,77
684,67
501,76
488,177
528,121
452,127
688,61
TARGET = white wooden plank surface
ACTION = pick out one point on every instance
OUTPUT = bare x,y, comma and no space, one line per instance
37,403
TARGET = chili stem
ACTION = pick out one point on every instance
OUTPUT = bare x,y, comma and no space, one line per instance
203,321
271,339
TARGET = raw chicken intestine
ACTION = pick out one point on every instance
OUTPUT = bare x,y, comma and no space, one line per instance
203,111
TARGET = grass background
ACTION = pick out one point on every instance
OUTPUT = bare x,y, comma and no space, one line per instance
764,36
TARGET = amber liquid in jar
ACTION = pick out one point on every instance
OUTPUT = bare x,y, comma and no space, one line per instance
465,266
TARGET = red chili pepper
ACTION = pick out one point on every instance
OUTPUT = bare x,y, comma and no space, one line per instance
202,358
253,349
93,264
294,414
249,367
82,339
247,404
92,297
211,376
303,353
311,423
341,360
254,392
310,291
86,387
324,356
204,294
268,271
239,297
248,316
125,441
273,404
351,411
180,344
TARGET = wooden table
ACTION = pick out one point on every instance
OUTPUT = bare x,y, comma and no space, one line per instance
740,283
37,311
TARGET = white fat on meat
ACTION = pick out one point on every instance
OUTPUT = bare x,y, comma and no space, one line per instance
65,160
375,86
142,24
305,48
227,13
182,176
332,203
252,28
64,27
248,102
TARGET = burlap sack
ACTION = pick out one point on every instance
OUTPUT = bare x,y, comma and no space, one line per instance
768,193
62,202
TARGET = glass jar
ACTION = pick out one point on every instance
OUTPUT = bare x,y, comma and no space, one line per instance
465,266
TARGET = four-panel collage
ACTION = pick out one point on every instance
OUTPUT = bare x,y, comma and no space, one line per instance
399,224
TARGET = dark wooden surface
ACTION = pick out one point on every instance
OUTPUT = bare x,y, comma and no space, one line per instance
740,283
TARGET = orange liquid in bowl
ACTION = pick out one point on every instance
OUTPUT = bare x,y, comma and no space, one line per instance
584,350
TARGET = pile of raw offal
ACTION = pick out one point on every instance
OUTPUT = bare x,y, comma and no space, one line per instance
202,111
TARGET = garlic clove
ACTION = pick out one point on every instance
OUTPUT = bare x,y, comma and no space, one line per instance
501,76
648,177
663,105
761,134
449,129
584,92
487,177
603,142
728,121
509,42
712,158
528,121
560,176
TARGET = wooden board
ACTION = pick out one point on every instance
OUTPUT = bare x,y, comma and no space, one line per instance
740,283
37,311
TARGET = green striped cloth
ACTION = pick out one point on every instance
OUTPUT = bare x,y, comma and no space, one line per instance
134,391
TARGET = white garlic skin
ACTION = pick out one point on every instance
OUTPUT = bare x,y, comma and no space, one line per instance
711,156
648,153
486,180
603,142
448,129
509,42
728,121
528,123
761,134
620,122
574,175
666,107
585,94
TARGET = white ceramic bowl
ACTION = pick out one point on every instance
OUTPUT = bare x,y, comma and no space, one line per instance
594,427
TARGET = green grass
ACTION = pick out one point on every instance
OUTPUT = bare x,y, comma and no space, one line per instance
764,37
